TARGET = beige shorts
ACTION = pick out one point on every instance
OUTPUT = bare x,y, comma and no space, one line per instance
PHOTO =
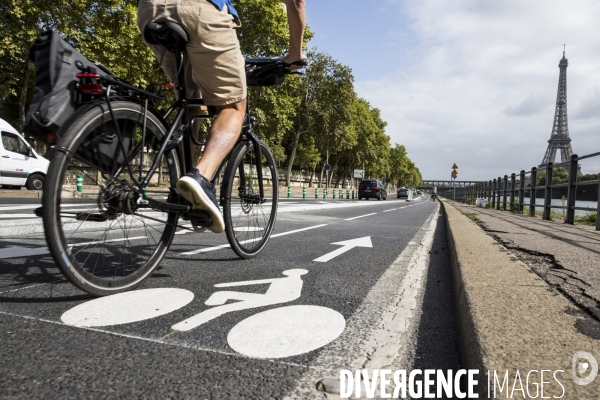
213,62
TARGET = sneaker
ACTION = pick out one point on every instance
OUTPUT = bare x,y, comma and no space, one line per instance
202,194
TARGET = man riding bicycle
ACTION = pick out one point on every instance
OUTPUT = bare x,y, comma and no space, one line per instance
214,70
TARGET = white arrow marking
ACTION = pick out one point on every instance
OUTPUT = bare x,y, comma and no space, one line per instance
347,245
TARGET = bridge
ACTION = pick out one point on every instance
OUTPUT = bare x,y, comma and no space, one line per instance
429,184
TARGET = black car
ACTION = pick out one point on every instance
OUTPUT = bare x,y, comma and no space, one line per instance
403,193
372,188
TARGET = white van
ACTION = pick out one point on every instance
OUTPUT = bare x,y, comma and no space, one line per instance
20,165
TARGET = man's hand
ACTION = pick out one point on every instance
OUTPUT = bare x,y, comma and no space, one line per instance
297,21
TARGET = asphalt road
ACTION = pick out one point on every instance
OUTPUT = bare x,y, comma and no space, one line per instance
334,308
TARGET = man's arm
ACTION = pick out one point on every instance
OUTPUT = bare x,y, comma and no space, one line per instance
297,20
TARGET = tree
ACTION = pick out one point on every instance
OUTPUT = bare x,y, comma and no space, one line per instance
326,93
403,170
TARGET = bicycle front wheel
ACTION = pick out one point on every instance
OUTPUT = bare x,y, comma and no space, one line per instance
249,216
99,226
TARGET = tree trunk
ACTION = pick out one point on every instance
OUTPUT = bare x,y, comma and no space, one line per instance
321,177
312,175
342,176
348,168
23,97
292,157
333,167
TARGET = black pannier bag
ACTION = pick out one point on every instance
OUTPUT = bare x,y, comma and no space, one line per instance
263,75
55,78
55,100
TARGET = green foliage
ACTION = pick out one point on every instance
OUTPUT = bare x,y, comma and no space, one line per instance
403,172
300,120
588,219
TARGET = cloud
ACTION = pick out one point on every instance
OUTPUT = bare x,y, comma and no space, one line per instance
589,107
478,83
529,106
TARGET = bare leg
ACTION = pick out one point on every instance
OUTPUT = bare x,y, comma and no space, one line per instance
223,134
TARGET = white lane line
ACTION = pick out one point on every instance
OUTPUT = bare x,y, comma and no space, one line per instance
33,207
390,210
360,216
31,215
298,230
224,246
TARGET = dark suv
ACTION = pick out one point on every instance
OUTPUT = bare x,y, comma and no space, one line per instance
372,188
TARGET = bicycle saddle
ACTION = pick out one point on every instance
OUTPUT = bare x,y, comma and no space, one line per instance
168,34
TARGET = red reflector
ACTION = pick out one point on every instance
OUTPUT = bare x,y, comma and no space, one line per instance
90,88
87,75
377,189
51,138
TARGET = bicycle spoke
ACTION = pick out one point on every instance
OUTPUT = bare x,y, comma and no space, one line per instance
115,242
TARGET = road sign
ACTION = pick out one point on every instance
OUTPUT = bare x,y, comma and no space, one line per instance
347,245
454,172
327,167
454,166
359,173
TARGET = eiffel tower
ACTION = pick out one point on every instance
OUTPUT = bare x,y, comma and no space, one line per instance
559,139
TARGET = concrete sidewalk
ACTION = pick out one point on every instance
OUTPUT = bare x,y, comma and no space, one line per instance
566,256
514,299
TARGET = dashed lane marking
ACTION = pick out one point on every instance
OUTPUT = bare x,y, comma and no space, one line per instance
360,216
224,246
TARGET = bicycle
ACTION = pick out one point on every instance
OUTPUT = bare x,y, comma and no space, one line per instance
121,144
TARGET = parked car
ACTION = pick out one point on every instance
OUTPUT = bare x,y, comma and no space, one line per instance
20,165
403,193
372,188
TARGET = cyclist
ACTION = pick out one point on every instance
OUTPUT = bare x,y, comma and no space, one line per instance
214,69
434,193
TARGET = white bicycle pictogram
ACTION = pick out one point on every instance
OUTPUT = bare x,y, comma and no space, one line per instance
279,332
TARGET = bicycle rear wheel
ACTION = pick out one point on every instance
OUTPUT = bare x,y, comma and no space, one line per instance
108,240
249,218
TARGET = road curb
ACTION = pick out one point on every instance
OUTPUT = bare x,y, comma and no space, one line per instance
509,319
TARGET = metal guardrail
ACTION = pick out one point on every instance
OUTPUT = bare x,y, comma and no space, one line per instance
501,193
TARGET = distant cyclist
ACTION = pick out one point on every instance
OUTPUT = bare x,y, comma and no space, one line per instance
214,70
434,193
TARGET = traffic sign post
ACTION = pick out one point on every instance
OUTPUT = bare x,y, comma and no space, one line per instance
327,167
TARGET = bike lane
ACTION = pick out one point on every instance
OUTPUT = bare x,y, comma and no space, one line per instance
338,287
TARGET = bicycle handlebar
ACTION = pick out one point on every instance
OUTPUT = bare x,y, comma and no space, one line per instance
267,71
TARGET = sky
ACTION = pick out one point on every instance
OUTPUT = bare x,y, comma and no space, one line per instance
471,82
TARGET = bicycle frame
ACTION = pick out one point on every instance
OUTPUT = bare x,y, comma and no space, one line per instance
180,107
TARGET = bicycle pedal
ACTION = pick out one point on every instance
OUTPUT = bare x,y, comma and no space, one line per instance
199,229
39,212
199,219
